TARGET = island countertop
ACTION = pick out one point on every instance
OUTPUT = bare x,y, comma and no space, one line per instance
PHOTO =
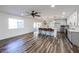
73,30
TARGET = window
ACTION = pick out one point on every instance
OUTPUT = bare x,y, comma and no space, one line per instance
15,23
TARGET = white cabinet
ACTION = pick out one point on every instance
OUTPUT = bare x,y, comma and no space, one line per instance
72,20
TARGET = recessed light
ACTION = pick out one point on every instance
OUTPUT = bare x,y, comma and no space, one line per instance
63,13
52,5
22,14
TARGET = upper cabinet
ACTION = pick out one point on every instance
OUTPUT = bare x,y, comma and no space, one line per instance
72,20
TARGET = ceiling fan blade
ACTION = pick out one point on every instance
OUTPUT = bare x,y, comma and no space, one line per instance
37,15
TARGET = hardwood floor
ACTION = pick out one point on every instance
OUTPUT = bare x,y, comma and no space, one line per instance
42,44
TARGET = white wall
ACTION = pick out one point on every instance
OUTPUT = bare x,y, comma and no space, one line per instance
6,33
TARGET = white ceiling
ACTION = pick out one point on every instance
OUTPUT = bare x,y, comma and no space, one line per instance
46,10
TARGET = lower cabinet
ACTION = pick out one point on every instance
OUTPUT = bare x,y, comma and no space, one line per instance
74,37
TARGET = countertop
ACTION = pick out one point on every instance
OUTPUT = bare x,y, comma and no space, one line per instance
74,30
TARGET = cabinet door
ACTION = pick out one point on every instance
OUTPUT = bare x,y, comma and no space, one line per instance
72,21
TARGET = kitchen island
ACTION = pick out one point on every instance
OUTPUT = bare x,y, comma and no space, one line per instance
48,31
73,35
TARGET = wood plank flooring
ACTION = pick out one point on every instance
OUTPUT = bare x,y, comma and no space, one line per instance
42,44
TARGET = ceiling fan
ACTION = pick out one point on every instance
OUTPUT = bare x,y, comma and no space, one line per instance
33,13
